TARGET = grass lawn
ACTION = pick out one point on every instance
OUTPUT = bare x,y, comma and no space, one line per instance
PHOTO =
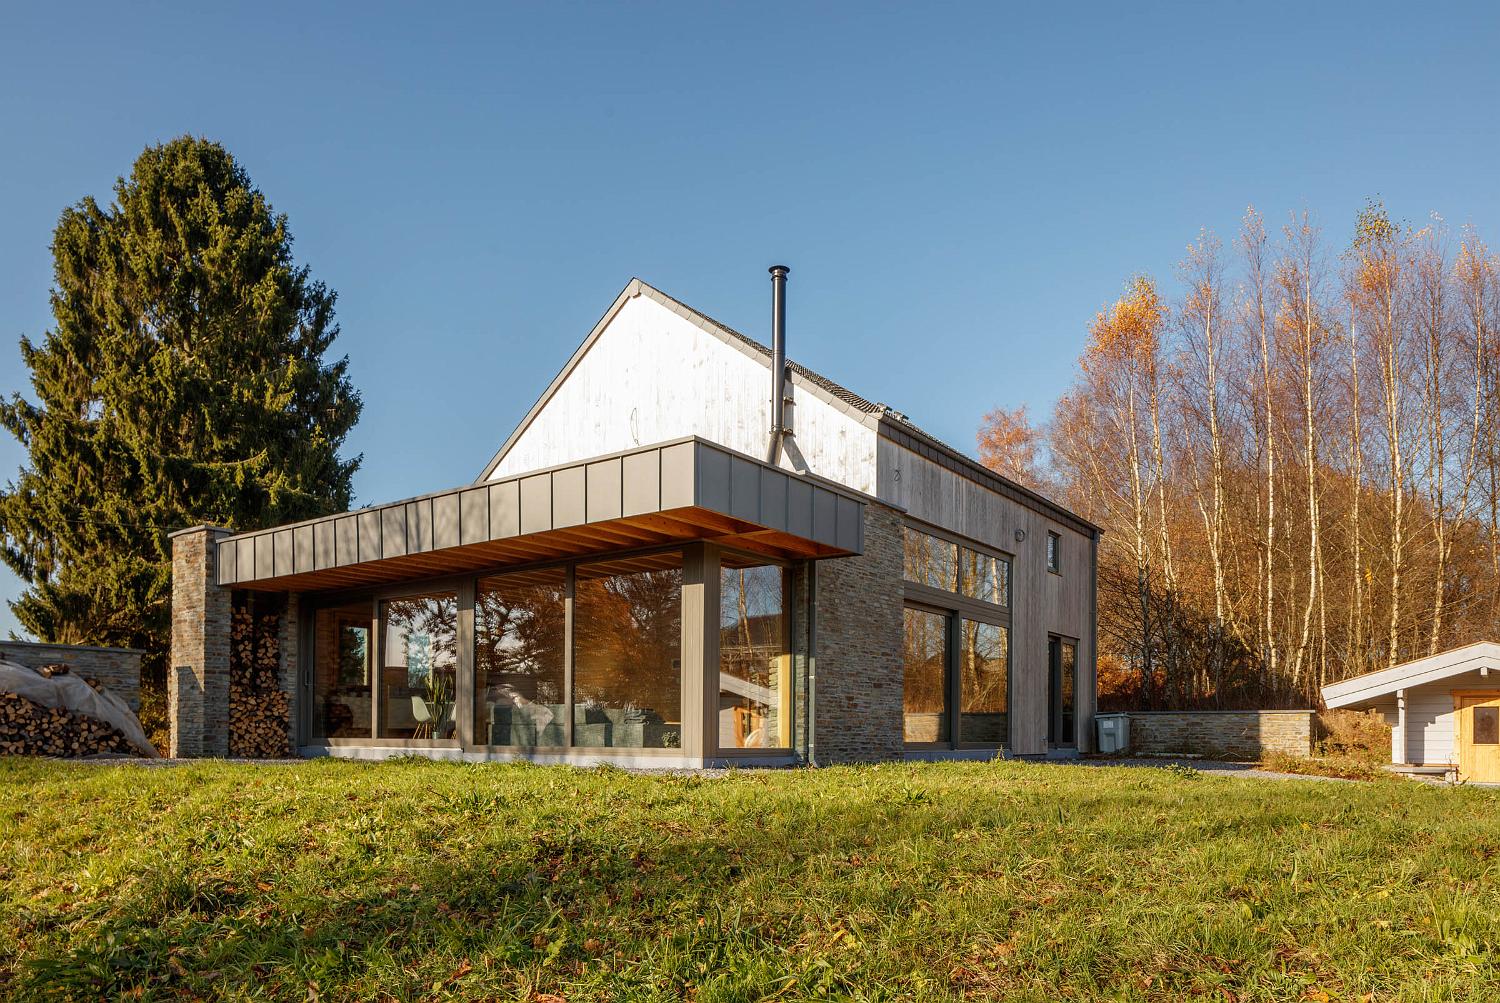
412,880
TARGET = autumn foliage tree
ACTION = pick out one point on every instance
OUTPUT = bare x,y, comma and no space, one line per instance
1293,457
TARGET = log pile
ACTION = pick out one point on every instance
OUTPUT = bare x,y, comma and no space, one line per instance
259,710
29,729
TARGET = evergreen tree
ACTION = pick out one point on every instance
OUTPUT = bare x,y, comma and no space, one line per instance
184,381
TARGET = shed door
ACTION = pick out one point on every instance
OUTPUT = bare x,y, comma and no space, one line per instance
1478,737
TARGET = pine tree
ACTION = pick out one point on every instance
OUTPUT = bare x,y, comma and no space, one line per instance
184,381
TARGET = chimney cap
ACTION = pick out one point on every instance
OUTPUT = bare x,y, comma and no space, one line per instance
783,269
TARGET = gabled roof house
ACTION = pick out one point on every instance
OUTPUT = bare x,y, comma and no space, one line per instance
691,551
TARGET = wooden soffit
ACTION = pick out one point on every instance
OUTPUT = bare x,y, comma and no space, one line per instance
673,492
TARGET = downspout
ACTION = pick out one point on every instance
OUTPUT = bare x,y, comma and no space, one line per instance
778,362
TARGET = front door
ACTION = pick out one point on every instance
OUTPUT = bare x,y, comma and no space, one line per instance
1478,736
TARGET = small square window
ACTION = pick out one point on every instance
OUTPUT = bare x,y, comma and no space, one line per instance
1054,557
1487,725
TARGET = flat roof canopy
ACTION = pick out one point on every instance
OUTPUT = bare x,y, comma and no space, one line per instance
673,492
1482,656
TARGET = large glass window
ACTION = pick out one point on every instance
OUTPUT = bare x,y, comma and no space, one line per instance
984,577
519,659
627,661
930,561
925,699
949,567
755,669
983,664
419,662
341,672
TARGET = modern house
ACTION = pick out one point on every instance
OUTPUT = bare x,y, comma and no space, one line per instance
1444,711
691,551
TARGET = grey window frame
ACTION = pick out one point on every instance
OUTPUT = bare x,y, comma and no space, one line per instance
466,585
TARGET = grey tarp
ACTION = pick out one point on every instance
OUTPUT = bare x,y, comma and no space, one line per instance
70,692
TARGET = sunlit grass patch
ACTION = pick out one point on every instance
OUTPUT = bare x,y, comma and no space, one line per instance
416,880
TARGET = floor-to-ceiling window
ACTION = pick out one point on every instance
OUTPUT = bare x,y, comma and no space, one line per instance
1062,662
418,655
755,666
520,649
627,644
924,703
341,672
957,644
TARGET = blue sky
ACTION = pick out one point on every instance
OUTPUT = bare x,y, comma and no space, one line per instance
956,187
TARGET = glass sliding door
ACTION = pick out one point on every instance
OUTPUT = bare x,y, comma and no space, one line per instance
520,634
418,666
925,690
341,673
755,665
627,654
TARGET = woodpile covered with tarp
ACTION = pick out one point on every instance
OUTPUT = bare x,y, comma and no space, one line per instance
52,712
259,709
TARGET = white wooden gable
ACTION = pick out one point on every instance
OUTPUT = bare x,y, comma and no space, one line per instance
654,370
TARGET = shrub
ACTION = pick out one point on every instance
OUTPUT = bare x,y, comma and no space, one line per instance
1354,734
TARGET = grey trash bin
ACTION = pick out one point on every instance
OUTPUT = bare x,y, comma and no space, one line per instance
1114,733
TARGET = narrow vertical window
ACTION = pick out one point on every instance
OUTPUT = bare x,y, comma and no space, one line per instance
1054,558
925,691
755,668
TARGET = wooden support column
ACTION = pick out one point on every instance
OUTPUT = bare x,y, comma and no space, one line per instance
700,651
1398,733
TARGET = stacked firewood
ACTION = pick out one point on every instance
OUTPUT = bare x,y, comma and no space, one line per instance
259,711
29,729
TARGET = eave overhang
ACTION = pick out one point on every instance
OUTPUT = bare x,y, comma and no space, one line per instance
669,493
1383,684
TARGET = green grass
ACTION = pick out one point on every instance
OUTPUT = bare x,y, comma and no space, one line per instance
412,880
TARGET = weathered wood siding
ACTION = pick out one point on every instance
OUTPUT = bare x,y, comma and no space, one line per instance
1042,603
653,375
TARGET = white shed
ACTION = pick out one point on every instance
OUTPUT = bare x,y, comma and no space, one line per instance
1444,710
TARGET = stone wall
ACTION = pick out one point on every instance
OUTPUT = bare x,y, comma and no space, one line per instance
119,669
1230,734
198,673
858,674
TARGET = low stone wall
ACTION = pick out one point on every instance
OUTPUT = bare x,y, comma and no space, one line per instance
119,669
1227,734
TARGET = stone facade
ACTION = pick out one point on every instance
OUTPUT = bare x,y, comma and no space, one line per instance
198,674
1230,734
858,673
119,669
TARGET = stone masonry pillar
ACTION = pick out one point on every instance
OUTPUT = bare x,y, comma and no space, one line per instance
198,673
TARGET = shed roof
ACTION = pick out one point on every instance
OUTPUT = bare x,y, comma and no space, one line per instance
1364,689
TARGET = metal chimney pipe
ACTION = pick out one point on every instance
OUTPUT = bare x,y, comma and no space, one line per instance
778,361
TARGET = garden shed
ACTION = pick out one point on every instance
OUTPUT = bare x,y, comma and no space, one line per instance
1444,711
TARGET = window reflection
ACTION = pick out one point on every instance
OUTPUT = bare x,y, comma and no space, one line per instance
627,675
925,690
984,657
755,684
341,672
419,656
519,636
